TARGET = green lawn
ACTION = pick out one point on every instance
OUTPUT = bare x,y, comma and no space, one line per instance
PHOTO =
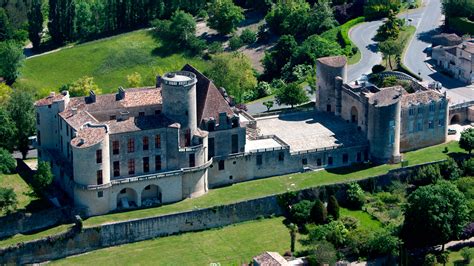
366,220
21,188
108,60
231,245
455,259
28,237
276,185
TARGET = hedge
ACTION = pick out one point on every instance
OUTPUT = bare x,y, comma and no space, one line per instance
462,24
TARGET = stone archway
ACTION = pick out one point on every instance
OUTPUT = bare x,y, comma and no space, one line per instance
151,195
354,115
127,198
455,119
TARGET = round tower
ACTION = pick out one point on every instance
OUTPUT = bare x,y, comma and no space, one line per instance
329,91
179,98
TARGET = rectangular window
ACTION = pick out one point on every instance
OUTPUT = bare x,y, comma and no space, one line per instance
330,160
116,168
430,124
318,162
345,158
141,114
99,177
157,112
210,151
98,156
432,107
192,160
259,159
304,161
281,156
145,143
235,143
158,141
221,165
38,137
131,145
146,164
115,147
157,162
37,118
131,167
100,194
420,109
411,111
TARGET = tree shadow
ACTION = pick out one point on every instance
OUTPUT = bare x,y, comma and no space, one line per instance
427,36
373,47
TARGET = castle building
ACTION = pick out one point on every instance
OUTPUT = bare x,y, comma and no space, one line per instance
149,146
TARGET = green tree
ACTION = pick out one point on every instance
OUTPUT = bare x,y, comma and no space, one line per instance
268,104
83,86
390,29
391,48
22,113
333,207
355,197
427,175
466,141
235,43
5,28
43,177
224,16
8,200
301,211
323,253
83,19
430,260
7,130
293,230
248,36
233,72
292,94
315,47
35,23
321,18
61,20
5,92
289,17
7,163
318,212
334,232
11,56
467,254
450,170
443,257
134,80
275,60
435,214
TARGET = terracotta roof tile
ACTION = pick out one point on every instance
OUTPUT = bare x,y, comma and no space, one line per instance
421,97
88,136
49,99
138,123
333,61
386,96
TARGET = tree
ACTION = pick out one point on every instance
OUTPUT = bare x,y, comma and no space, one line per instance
467,254
391,48
83,20
224,16
321,18
35,23
435,214
8,200
355,197
323,253
315,47
11,56
7,130
318,212
467,139
43,177
134,80
427,175
293,230
333,207
442,257
248,36
300,212
268,104
83,86
292,94
450,170
289,17
275,60
5,28
5,92
334,232
7,163
390,29
22,113
61,20
234,72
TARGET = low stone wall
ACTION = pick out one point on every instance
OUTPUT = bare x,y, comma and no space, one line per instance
78,241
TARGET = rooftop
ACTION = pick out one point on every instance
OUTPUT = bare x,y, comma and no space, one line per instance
421,97
262,144
386,96
333,61
270,259
89,136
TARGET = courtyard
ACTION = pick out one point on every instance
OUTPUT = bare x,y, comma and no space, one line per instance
311,130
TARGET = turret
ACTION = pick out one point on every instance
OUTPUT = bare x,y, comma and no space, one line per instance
328,69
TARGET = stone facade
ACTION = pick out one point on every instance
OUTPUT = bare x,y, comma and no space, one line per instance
458,60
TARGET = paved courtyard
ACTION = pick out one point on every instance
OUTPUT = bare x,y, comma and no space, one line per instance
311,130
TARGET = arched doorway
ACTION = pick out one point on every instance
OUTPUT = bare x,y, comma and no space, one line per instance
127,198
151,195
354,115
454,120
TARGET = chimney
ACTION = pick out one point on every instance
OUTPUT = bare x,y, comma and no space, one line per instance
124,115
52,94
120,94
92,97
73,110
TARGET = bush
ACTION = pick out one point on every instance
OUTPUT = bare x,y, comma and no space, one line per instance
377,69
467,254
450,169
333,207
301,211
319,212
248,36
202,14
43,177
7,163
468,167
350,222
355,197
235,43
429,260
215,48
8,200
427,175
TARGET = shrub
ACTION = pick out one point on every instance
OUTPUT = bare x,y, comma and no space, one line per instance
215,48
7,163
43,177
355,197
300,212
235,43
333,207
377,69
334,232
468,167
467,254
427,175
248,36
202,14
8,200
350,222
318,212
429,260
442,257
450,169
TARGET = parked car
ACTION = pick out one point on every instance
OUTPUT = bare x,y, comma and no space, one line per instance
452,131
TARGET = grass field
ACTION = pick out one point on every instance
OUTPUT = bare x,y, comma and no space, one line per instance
21,188
28,237
231,245
108,61
366,220
279,184
455,259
